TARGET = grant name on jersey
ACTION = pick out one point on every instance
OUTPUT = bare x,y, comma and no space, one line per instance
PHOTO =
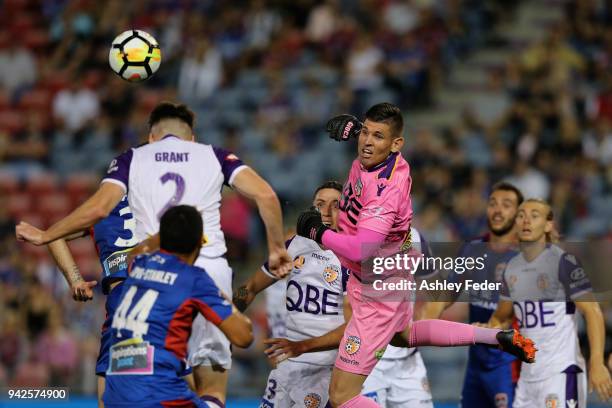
171,157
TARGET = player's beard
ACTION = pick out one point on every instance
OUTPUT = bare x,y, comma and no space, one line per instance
503,230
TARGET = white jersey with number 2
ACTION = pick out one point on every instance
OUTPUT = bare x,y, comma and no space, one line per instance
171,172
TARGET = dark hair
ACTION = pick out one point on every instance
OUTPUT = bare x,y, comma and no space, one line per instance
328,184
505,186
180,230
387,113
169,110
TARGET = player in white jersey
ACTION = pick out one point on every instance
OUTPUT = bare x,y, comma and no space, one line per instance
173,169
543,286
313,295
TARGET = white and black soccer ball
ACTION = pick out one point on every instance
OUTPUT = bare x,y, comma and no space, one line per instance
134,55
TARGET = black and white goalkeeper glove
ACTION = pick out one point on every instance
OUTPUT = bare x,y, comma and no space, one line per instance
343,127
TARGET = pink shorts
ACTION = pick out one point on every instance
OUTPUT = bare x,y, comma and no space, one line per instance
376,318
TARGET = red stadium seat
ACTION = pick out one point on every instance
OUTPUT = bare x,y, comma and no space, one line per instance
42,184
36,99
79,187
38,252
9,184
36,40
19,204
53,205
5,100
21,23
33,218
82,247
11,121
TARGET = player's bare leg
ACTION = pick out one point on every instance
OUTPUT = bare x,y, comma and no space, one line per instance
211,381
101,384
345,387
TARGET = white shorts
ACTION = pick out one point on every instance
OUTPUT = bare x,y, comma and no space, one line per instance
567,389
294,384
399,383
208,346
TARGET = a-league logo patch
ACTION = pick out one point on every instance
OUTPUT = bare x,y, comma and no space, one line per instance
330,273
552,401
501,400
378,354
352,345
312,400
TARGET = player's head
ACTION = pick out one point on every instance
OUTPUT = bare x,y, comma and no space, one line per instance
535,221
503,204
381,135
169,118
180,231
326,199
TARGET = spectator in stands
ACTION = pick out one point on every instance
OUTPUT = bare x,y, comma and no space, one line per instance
76,105
201,72
18,66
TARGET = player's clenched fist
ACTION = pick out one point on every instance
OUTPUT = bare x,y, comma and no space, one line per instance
344,127
279,262
28,233
310,225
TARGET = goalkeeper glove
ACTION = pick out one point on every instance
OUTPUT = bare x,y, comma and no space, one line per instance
344,127
310,225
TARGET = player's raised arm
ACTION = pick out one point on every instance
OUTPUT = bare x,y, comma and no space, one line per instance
91,211
248,183
80,289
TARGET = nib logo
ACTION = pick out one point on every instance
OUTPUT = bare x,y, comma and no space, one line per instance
571,403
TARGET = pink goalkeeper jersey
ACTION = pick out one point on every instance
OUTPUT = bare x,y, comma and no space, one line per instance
377,199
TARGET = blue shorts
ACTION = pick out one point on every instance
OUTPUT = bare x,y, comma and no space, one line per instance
112,302
144,391
488,387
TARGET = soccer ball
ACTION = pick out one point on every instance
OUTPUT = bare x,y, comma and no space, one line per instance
134,55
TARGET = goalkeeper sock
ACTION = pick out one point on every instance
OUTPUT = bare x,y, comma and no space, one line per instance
447,334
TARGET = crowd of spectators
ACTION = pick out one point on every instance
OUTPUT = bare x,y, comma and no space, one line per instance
263,77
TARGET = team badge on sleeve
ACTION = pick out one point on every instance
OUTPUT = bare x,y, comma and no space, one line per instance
298,262
352,345
331,273
312,400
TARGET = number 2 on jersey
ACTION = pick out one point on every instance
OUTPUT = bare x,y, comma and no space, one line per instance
136,319
179,181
